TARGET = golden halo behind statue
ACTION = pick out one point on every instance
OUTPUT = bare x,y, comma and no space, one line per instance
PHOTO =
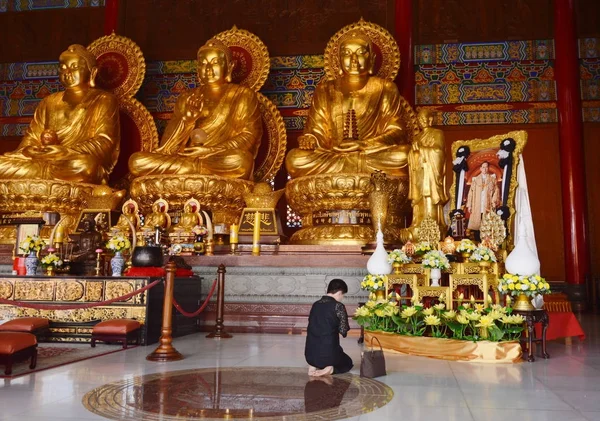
387,60
251,57
272,153
121,65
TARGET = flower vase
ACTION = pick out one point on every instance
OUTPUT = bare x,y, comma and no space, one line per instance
465,255
117,263
50,270
435,275
523,303
31,264
485,267
397,268
380,294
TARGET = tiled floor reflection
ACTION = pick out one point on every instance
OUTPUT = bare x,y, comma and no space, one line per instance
564,388
238,393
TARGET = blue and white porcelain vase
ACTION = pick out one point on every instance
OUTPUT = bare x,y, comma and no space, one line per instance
117,264
31,264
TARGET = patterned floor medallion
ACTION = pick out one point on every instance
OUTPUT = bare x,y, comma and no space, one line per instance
248,393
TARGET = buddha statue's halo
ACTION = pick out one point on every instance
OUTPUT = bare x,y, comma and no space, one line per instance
82,52
216,44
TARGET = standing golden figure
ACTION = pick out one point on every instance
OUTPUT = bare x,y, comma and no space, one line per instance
427,164
216,128
354,124
358,123
74,135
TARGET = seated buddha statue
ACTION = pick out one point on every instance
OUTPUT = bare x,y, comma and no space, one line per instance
159,218
89,241
354,123
189,219
129,218
74,134
215,129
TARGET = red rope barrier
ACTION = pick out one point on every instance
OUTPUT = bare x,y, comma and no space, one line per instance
202,307
80,306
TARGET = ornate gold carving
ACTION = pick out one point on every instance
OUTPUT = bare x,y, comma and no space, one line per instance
6,290
384,44
240,39
37,290
223,196
263,197
114,48
144,122
70,290
93,291
116,289
429,231
307,195
276,136
492,227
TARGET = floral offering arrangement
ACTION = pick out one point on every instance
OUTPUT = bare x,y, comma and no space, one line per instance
398,256
32,244
422,248
466,246
51,260
435,259
374,282
483,254
473,323
118,243
199,230
529,285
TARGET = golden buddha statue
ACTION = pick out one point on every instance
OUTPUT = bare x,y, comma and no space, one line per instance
88,242
190,218
129,218
427,164
74,134
354,124
159,217
216,128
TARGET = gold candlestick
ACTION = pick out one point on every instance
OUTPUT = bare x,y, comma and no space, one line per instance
256,235
234,237
98,253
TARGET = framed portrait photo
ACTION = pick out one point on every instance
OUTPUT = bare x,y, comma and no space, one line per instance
485,178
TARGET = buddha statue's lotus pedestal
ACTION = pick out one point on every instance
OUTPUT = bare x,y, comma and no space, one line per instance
336,208
223,196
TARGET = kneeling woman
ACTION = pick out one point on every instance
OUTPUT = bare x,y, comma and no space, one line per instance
328,319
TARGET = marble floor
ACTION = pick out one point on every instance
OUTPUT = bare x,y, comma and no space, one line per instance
565,387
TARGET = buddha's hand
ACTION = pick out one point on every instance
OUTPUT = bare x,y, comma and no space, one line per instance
194,105
50,151
349,146
307,142
200,151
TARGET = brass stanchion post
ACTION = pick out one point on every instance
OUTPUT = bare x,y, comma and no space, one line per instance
165,350
219,331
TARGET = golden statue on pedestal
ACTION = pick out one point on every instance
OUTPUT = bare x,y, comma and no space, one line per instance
74,135
210,147
216,128
427,164
129,218
358,123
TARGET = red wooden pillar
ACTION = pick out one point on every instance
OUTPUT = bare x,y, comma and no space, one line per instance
111,16
404,30
572,163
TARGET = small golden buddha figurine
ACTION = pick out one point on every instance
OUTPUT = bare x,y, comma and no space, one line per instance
215,129
129,217
89,241
354,123
159,217
74,134
448,246
190,217
427,164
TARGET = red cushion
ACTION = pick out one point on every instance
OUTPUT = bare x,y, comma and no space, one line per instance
116,327
25,324
11,342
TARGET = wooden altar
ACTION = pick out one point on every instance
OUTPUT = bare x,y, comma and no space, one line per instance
76,325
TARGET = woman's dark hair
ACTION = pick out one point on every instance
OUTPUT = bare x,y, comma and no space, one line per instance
336,285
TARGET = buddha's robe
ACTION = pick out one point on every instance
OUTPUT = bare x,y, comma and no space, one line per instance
88,138
233,127
378,114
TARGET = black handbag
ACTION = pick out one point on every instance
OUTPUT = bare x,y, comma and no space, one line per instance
372,362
